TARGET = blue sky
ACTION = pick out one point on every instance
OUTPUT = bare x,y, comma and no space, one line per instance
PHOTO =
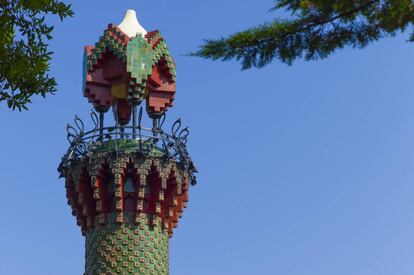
304,170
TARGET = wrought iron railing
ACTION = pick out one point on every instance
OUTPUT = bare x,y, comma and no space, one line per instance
143,140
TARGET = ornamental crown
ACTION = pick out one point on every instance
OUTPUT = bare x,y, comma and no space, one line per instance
127,66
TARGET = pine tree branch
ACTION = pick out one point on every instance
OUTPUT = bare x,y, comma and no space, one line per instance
313,34
341,15
311,25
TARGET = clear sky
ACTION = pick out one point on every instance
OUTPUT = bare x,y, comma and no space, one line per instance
304,170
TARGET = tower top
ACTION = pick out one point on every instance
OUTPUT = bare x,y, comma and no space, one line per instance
130,25
127,66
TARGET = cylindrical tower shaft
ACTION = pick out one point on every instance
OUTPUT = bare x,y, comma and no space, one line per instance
130,248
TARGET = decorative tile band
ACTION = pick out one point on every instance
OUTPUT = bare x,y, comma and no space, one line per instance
108,184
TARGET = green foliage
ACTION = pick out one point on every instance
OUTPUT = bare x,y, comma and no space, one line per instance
24,55
315,29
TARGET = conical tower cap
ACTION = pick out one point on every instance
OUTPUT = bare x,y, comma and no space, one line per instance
130,25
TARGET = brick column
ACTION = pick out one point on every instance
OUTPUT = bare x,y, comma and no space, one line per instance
128,248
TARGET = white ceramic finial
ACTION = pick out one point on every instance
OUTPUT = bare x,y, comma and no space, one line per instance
130,25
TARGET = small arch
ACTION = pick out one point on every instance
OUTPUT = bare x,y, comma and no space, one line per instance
129,189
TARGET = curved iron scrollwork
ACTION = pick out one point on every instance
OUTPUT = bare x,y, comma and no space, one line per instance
173,145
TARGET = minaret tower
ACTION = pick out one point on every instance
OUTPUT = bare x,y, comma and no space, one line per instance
127,184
